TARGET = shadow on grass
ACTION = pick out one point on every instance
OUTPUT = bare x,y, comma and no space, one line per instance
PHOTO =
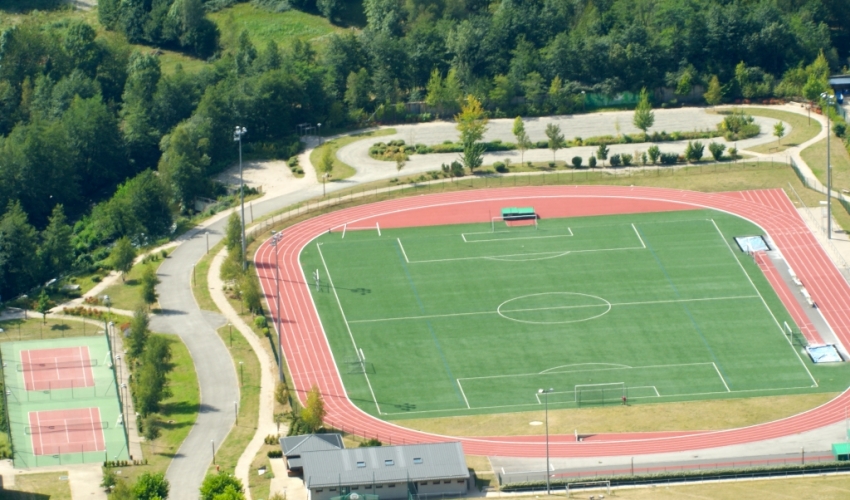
23,495
178,408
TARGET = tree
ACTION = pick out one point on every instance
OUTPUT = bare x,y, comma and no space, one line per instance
694,151
122,256
43,306
329,8
522,140
400,160
217,484
556,138
149,282
56,252
251,294
813,89
644,117
139,333
150,380
357,89
602,153
122,491
326,164
716,150
281,393
779,131
714,94
654,152
19,269
233,233
151,486
313,414
151,427
472,124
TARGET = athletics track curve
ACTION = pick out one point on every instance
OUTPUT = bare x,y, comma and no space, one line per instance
311,362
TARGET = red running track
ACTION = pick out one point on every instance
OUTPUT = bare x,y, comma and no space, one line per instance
311,362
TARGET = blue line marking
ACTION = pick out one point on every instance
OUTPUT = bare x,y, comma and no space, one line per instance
452,379
685,307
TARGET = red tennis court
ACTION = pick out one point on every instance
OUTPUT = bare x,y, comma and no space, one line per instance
54,432
59,368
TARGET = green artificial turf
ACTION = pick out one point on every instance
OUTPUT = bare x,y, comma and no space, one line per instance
460,319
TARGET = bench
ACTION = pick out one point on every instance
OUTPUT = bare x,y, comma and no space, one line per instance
521,213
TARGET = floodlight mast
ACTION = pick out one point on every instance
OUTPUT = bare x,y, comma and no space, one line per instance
829,102
237,136
546,393
276,243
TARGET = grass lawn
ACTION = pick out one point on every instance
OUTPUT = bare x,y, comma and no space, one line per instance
47,483
260,485
801,129
693,415
54,328
671,290
806,488
282,27
127,293
342,170
200,284
815,157
178,413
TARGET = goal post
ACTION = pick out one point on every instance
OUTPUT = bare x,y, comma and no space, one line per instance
494,220
606,393
592,485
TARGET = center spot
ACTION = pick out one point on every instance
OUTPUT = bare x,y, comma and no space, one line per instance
552,308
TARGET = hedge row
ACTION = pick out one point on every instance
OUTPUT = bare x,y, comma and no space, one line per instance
690,475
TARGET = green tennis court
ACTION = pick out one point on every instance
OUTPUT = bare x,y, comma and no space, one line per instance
465,319
62,401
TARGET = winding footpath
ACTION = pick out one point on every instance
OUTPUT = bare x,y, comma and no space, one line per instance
217,375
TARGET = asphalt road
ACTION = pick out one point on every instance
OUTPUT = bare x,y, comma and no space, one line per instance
217,375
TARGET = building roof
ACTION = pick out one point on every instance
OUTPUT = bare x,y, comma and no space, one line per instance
839,80
296,445
384,464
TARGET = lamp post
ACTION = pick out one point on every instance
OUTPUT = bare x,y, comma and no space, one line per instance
241,375
275,243
237,136
829,101
212,442
324,179
230,332
320,133
545,393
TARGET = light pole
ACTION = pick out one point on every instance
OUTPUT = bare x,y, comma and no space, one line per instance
230,332
212,442
545,393
241,375
275,243
320,133
829,101
324,179
237,136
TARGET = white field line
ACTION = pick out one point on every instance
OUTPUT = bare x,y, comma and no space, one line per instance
721,377
402,250
554,308
463,235
516,375
463,393
681,395
637,233
790,344
347,326
558,253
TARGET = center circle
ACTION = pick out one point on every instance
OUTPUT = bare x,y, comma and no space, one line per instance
553,308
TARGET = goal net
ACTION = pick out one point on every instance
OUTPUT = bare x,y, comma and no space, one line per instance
356,364
597,394
502,224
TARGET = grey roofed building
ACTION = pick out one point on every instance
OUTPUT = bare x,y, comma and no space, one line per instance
387,471
294,446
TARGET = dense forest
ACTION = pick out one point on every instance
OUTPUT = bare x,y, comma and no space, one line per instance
98,143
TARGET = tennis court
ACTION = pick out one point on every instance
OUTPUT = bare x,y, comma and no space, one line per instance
475,318
62,402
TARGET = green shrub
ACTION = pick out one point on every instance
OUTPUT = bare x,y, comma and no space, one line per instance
500,167
591,162
627,159
653,152
668,158
615,160
840,129
577,161
694,151
716,150
261,322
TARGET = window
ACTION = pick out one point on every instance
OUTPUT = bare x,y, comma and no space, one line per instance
390,486
417,460
388,462
361,465
447,482
461,481
379,486
319,490
423,483
331,489
358,487
435,482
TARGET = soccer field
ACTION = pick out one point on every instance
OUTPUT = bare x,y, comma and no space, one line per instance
476,318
